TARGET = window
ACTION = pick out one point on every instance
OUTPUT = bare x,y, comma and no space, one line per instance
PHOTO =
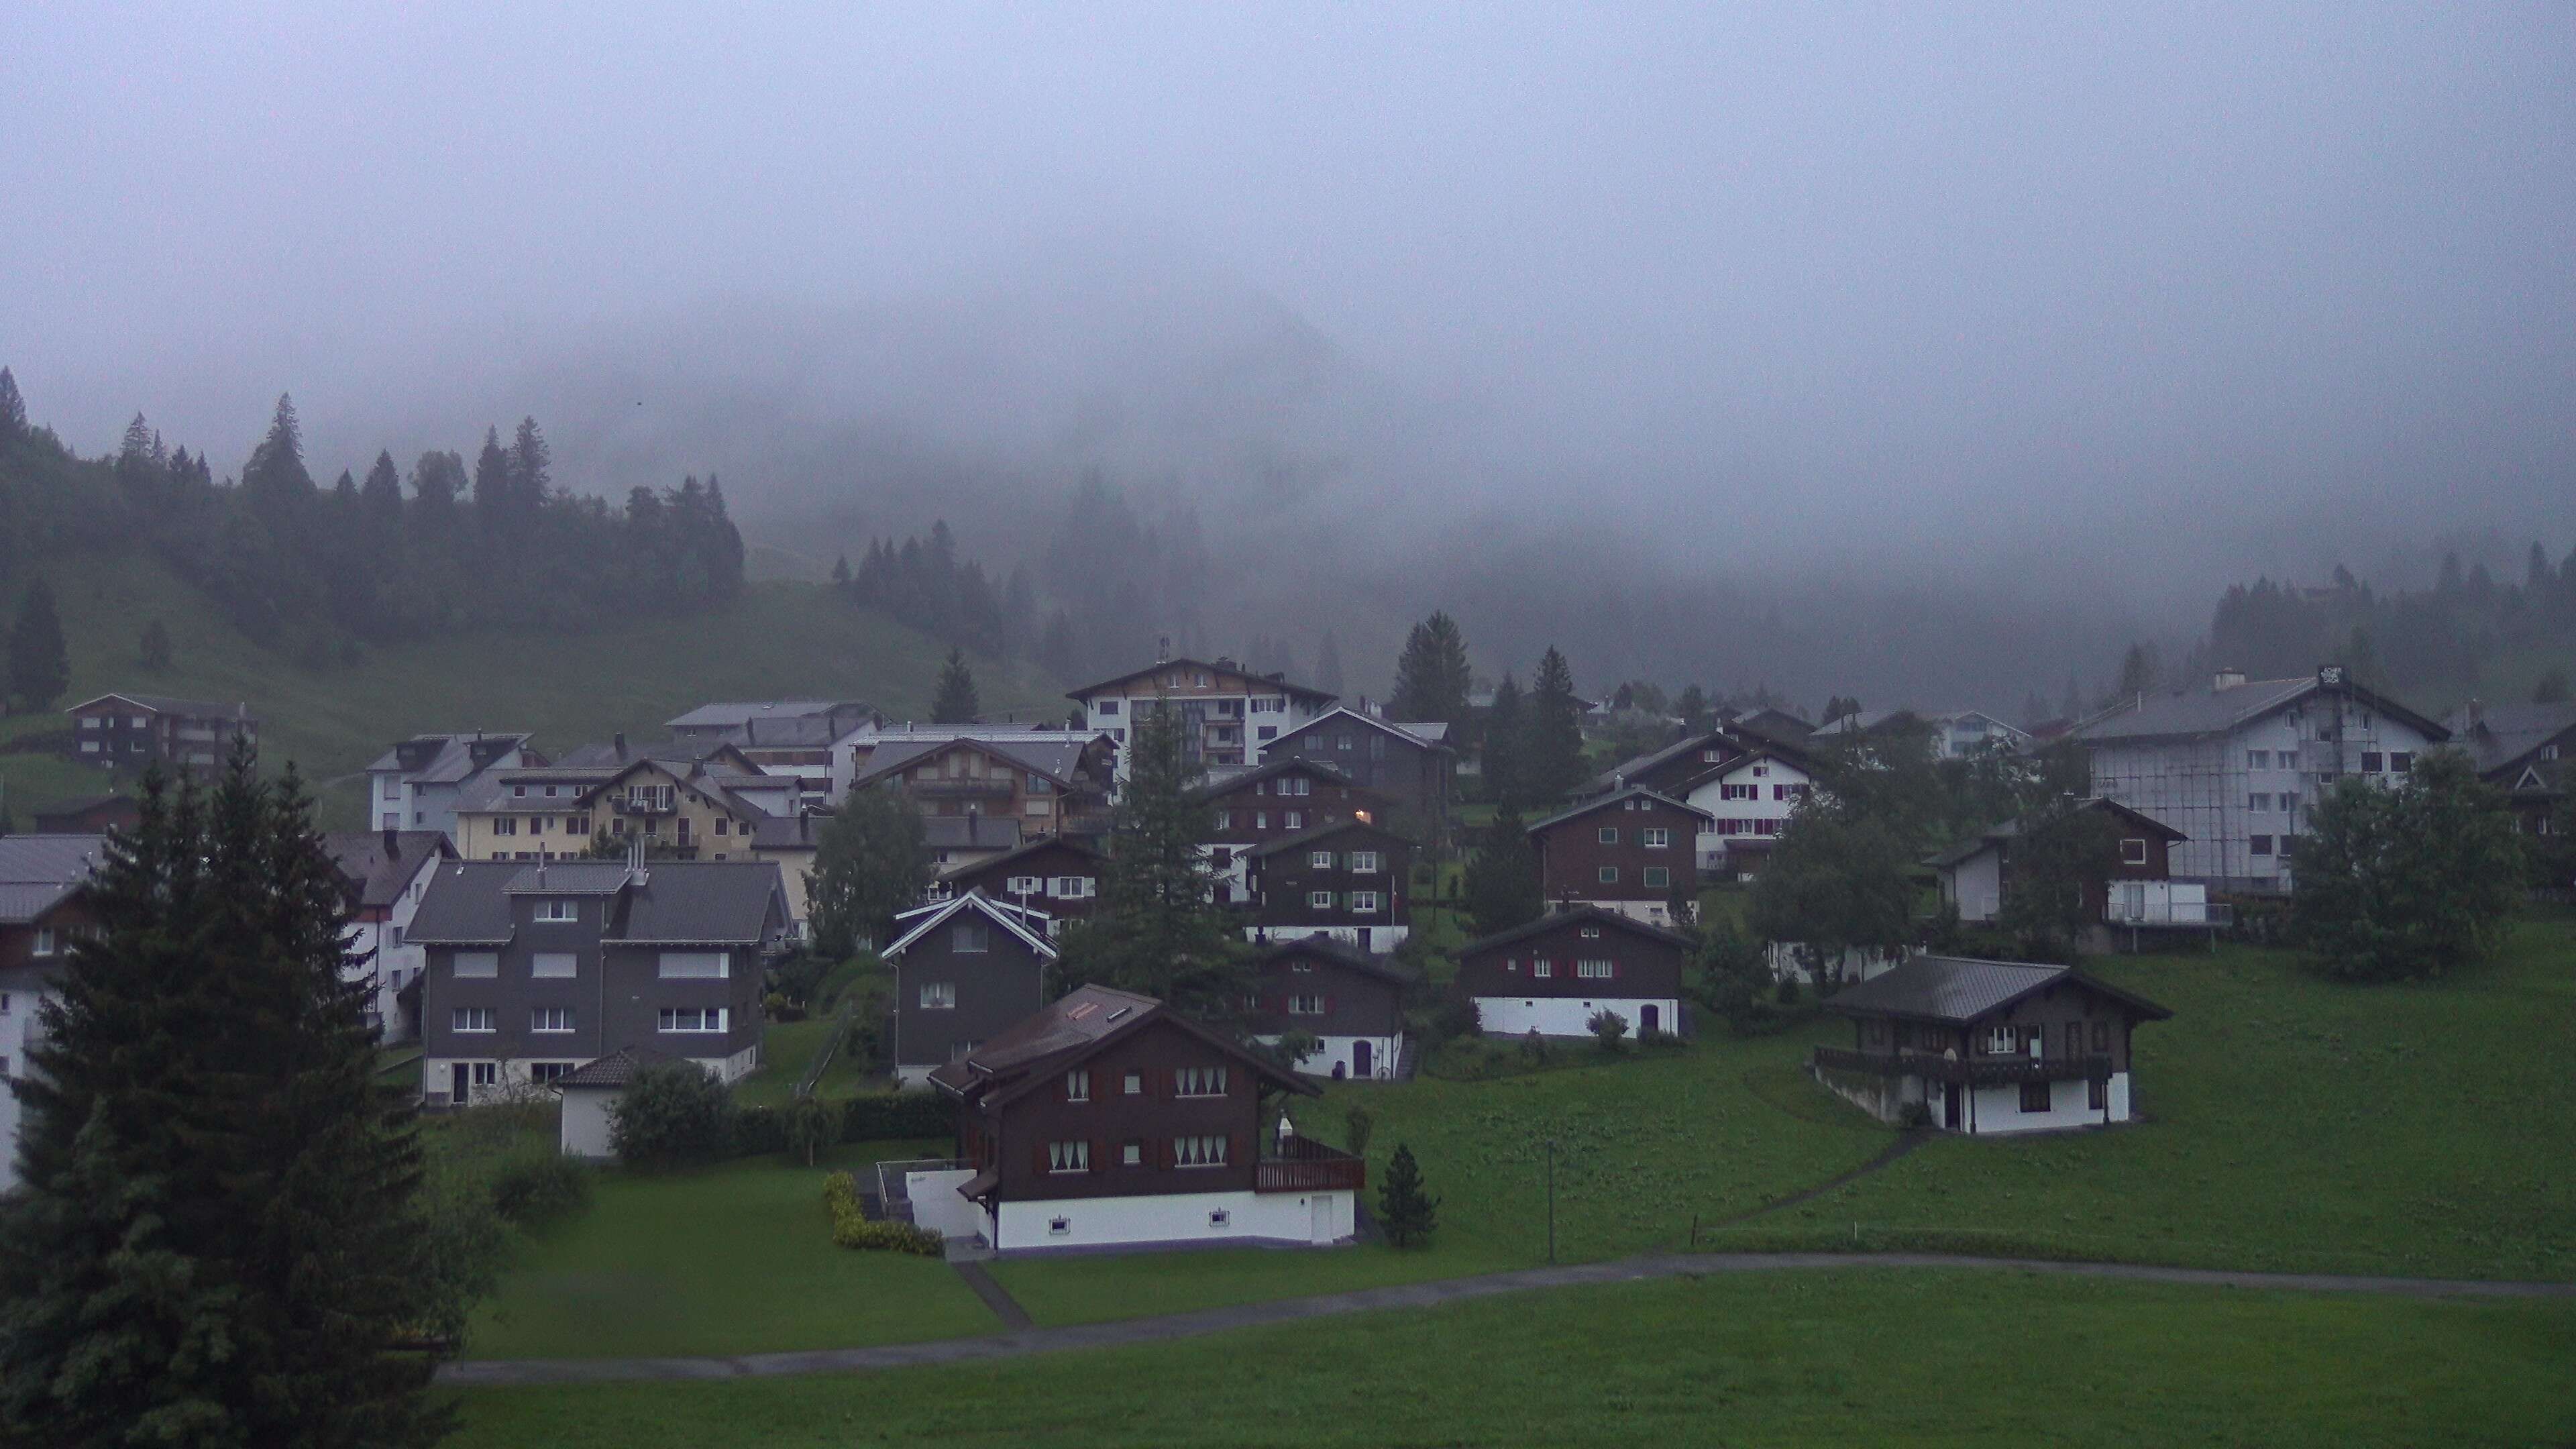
1608,835
2003,1041
550,1018
2258,759
2133,852
1343,743
1132,1155
4,1003
1655,839
1592,933
1068,1157
1293,819
1198,1151
548,1071
478,963
2259,803
1135,1084
1225,820
969,938
2289,801
1025,885
505,825
1200,1081
2370,762
1659,877
2401,761
1740,792
1320,859
1542,967
1269,732
46,942
697,965
1319,900
1595,968
1077,1085
2258,844
1107,706
486,1073
519,792
1296,786
2097,1094
573,824
554,963
558,911
2034,1096
693,1018
938,995
470,1018
1070,887
1363,901
1305,1006
1609,875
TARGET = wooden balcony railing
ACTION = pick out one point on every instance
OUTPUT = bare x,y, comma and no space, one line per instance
1305,1165
1974,1071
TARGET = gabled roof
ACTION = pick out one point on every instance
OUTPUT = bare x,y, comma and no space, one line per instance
171,704
1866,720
1226,784
1325,831
445,759
1403,733
1960,990
1276,681
465,905
2012,829
1606,801
570,878
672,755
1027,1054
671,902
40,872
615,1069
1384,968
1776,724
496,790
971,832
926,919
381,876
2502,736
2208,710
1610,779
734,714
1058,757
801,831
1579,915
1008,857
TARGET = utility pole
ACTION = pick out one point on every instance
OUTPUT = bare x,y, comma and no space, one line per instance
1551,1201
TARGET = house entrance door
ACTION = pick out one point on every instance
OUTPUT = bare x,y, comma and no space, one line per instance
1950,1105
457,1080
1360,1060
1649,1018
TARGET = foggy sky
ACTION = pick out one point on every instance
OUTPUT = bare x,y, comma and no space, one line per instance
2150,297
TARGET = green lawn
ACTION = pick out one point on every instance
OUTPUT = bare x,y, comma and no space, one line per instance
786,1049
778,639
736,1259
2297,1124
1868,1356
1642,1145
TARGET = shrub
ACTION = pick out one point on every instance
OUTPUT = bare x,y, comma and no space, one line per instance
1534,1048
1656,1036
851,1228
1357,1124
672,1115
1407,1212
1609,1027
808,1124
1789,991
539,1185
1914,1114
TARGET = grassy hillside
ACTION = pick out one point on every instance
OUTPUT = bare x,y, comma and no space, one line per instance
779,639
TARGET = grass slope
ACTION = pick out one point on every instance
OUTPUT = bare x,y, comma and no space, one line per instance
2296,1124
736,1259
779,639
1867,1356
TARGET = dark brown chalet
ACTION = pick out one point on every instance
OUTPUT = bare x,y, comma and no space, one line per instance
1056,874
1552,975
1633,851
1051,785
1409,764
1107,1119
129,731
1352,881
964,971
1680,767
1253,807
1976,874
1351,1001
1987,1046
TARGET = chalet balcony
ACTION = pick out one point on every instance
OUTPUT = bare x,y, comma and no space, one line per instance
1978,1070
962,789
1302,1164
2169,913
643,805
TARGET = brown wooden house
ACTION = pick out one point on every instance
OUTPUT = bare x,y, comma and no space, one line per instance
1633,851
1352,881
1410,765
1055,875
1351,1001
1552,975
1289,796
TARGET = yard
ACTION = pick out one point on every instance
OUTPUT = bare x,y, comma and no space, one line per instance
1878,1356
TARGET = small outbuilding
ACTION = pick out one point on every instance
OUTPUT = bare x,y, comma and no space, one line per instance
591,1089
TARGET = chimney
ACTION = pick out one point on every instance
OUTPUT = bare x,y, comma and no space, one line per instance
619,742
2477,713
393,843
2226,679
1163,649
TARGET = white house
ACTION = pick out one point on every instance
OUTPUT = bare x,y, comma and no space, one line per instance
1748,801
1230,712
591,1093
414,785
2236,766
1956,734
387,871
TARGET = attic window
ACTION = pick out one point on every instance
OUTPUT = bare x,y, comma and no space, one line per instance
2133,852
1122,1011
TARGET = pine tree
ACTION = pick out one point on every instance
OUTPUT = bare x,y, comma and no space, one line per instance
39,668
955,702
274,481
1694,710
155,651
531,469
492,482
218,1237
841,574
1432,676
1501,885
1328,665
13,409
1505,729
1157,929
1407,1213
1552,755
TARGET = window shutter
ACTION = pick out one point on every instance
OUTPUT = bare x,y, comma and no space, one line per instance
1039,1149
1328,1005
1101,1161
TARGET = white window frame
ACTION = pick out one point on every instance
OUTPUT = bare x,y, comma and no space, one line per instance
1073,1156
1198,1081
1319,900
694,966
1363,902
559,910
542,1019
1205,1150
1305,1006
937,996
710,1020
1077,1085
463,1020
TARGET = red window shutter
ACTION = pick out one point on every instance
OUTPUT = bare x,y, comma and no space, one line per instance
1328,1006
1040,1151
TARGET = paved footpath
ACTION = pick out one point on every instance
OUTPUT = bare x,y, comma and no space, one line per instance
498,1372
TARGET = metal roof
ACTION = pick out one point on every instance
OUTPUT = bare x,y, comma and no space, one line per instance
465,904
1960,990
2209,710
1582,915
382,876
50,859
733,714
1226,779
1009,918
1327,830
2501,734
1401,732
1606,801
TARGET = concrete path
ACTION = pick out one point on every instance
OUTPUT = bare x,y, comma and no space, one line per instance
502,1372
995,1296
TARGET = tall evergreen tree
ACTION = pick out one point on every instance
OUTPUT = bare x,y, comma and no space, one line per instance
873,860
1407,1213
274,481
955,702
438,480
1157,929
531,469
1552,750
1694,710
1506,729
218,1237
13,409
1432,676
39,667
492,485
1501,885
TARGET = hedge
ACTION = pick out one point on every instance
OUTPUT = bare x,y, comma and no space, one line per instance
851,1228
873,1117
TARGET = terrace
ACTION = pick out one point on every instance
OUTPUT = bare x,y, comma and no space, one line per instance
1302,1164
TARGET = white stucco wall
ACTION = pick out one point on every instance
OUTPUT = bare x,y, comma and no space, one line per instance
936,1205
1976,885
17,1028
1506,1016
1998,1109
1381,939
1384,1052
1652,913
1177,1218
585,1121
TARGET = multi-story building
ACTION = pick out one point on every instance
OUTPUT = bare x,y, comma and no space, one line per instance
1351,1001
2237,765
681,802
736,721
43,908
1554,974
1350,881
1632,851
131,731
2139,895
1057,783
1746,783
965,971
1230,714
534,969
415,785
1411,765
2521,749
1055,877
1956,734
856,750
1249,808
387,872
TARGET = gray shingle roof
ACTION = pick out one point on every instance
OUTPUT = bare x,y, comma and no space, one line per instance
1088,852
1384,968
1225,779
2207,710
1959,990
1082,1019
568,878
788,832
615,1069
971,832
1403,733
1057,757
679,902
450,758
733,714
707,901
172,704
465,904
50,859
382,877
1267,681
2504,733
1586,915
2012,829
1606,801
1325,831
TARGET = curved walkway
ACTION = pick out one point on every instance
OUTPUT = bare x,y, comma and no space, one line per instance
501,1372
